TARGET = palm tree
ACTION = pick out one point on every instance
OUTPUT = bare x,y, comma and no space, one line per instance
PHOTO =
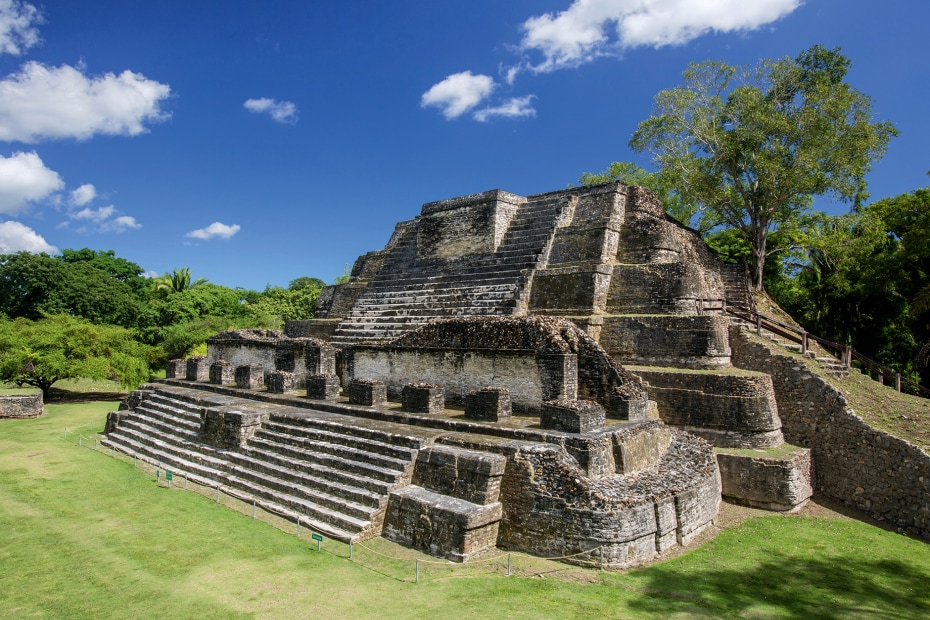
177,281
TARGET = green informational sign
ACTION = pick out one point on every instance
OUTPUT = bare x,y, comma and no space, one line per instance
168,475
317,537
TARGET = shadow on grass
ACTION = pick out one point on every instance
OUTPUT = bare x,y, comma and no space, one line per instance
788,587
57,396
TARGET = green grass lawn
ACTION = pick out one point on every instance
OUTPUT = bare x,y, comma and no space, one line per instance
85,535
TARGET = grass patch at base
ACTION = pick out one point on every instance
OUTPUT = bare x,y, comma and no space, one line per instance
84,535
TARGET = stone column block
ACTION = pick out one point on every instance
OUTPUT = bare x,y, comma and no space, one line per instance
323,387
573,416
491,404
367,392
423,398
176,369
250,377
280,381
222,373
198,369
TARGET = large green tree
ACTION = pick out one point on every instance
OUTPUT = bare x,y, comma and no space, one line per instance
754,145
39,353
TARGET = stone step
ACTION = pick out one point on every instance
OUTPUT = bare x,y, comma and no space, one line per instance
164,423
330,437
182,409
298,450
331,475
331,522
169,415
399,437
284,483
159,453
356,454
179,446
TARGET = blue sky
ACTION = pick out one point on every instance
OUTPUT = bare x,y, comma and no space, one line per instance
256,142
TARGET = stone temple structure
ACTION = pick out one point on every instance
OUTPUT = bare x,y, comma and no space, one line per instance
550,374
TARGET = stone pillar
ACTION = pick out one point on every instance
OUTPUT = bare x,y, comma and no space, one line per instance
423,398
323,387
198,369
176,369
559,376
490,404
250,377
573,416
222,373
280,381
367,392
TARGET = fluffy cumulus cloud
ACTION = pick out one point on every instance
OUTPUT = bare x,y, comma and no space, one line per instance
62,102
515,107
15,237
280,111
94,215
120,224
216,229
591,28
24,179
18,21
458,94
83,195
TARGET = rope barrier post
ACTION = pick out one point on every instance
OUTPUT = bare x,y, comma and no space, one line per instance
416,567
95,443
133,461
157,474
185,481
508,565
253,507
217,494
600,558
80,439
897,381
350,548
298,526
66,433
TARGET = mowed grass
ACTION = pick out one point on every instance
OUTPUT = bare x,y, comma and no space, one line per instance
85,535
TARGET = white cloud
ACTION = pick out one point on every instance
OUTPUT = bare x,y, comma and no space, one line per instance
84,194
94,215
120,224
61,102
458,93
215,229
14,237
592,28
515,107
151,273
18,21
24,179
280,111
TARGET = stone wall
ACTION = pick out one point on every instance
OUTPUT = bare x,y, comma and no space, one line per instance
21,405
853,462
677,341
551,509
729,410
473,224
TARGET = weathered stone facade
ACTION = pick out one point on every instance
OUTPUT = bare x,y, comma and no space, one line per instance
21,405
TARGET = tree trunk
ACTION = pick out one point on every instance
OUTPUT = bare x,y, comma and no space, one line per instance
759,242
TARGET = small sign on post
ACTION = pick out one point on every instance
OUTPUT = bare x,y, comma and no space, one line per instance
168,477
318,538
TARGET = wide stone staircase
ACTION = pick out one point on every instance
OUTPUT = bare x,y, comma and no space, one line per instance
333,473
476,285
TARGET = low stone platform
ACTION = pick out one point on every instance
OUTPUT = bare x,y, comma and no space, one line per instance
775,479
21,405
336,465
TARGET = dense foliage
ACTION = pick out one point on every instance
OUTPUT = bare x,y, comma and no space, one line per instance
174,312
753,145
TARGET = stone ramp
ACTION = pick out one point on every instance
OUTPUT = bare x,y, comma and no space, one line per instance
333,471
481,284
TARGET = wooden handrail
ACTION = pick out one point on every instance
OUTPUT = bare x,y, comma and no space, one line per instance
844,353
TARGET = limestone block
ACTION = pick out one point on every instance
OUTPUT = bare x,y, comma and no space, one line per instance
467,474
572,416
490,404
368,392
423,398
222,373
228,429
778,479
21,405
250,377
323,387
198,369
320,359
636,451
441,525
176,369
280,381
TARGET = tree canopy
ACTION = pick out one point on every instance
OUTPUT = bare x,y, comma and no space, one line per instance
752,146
39,353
